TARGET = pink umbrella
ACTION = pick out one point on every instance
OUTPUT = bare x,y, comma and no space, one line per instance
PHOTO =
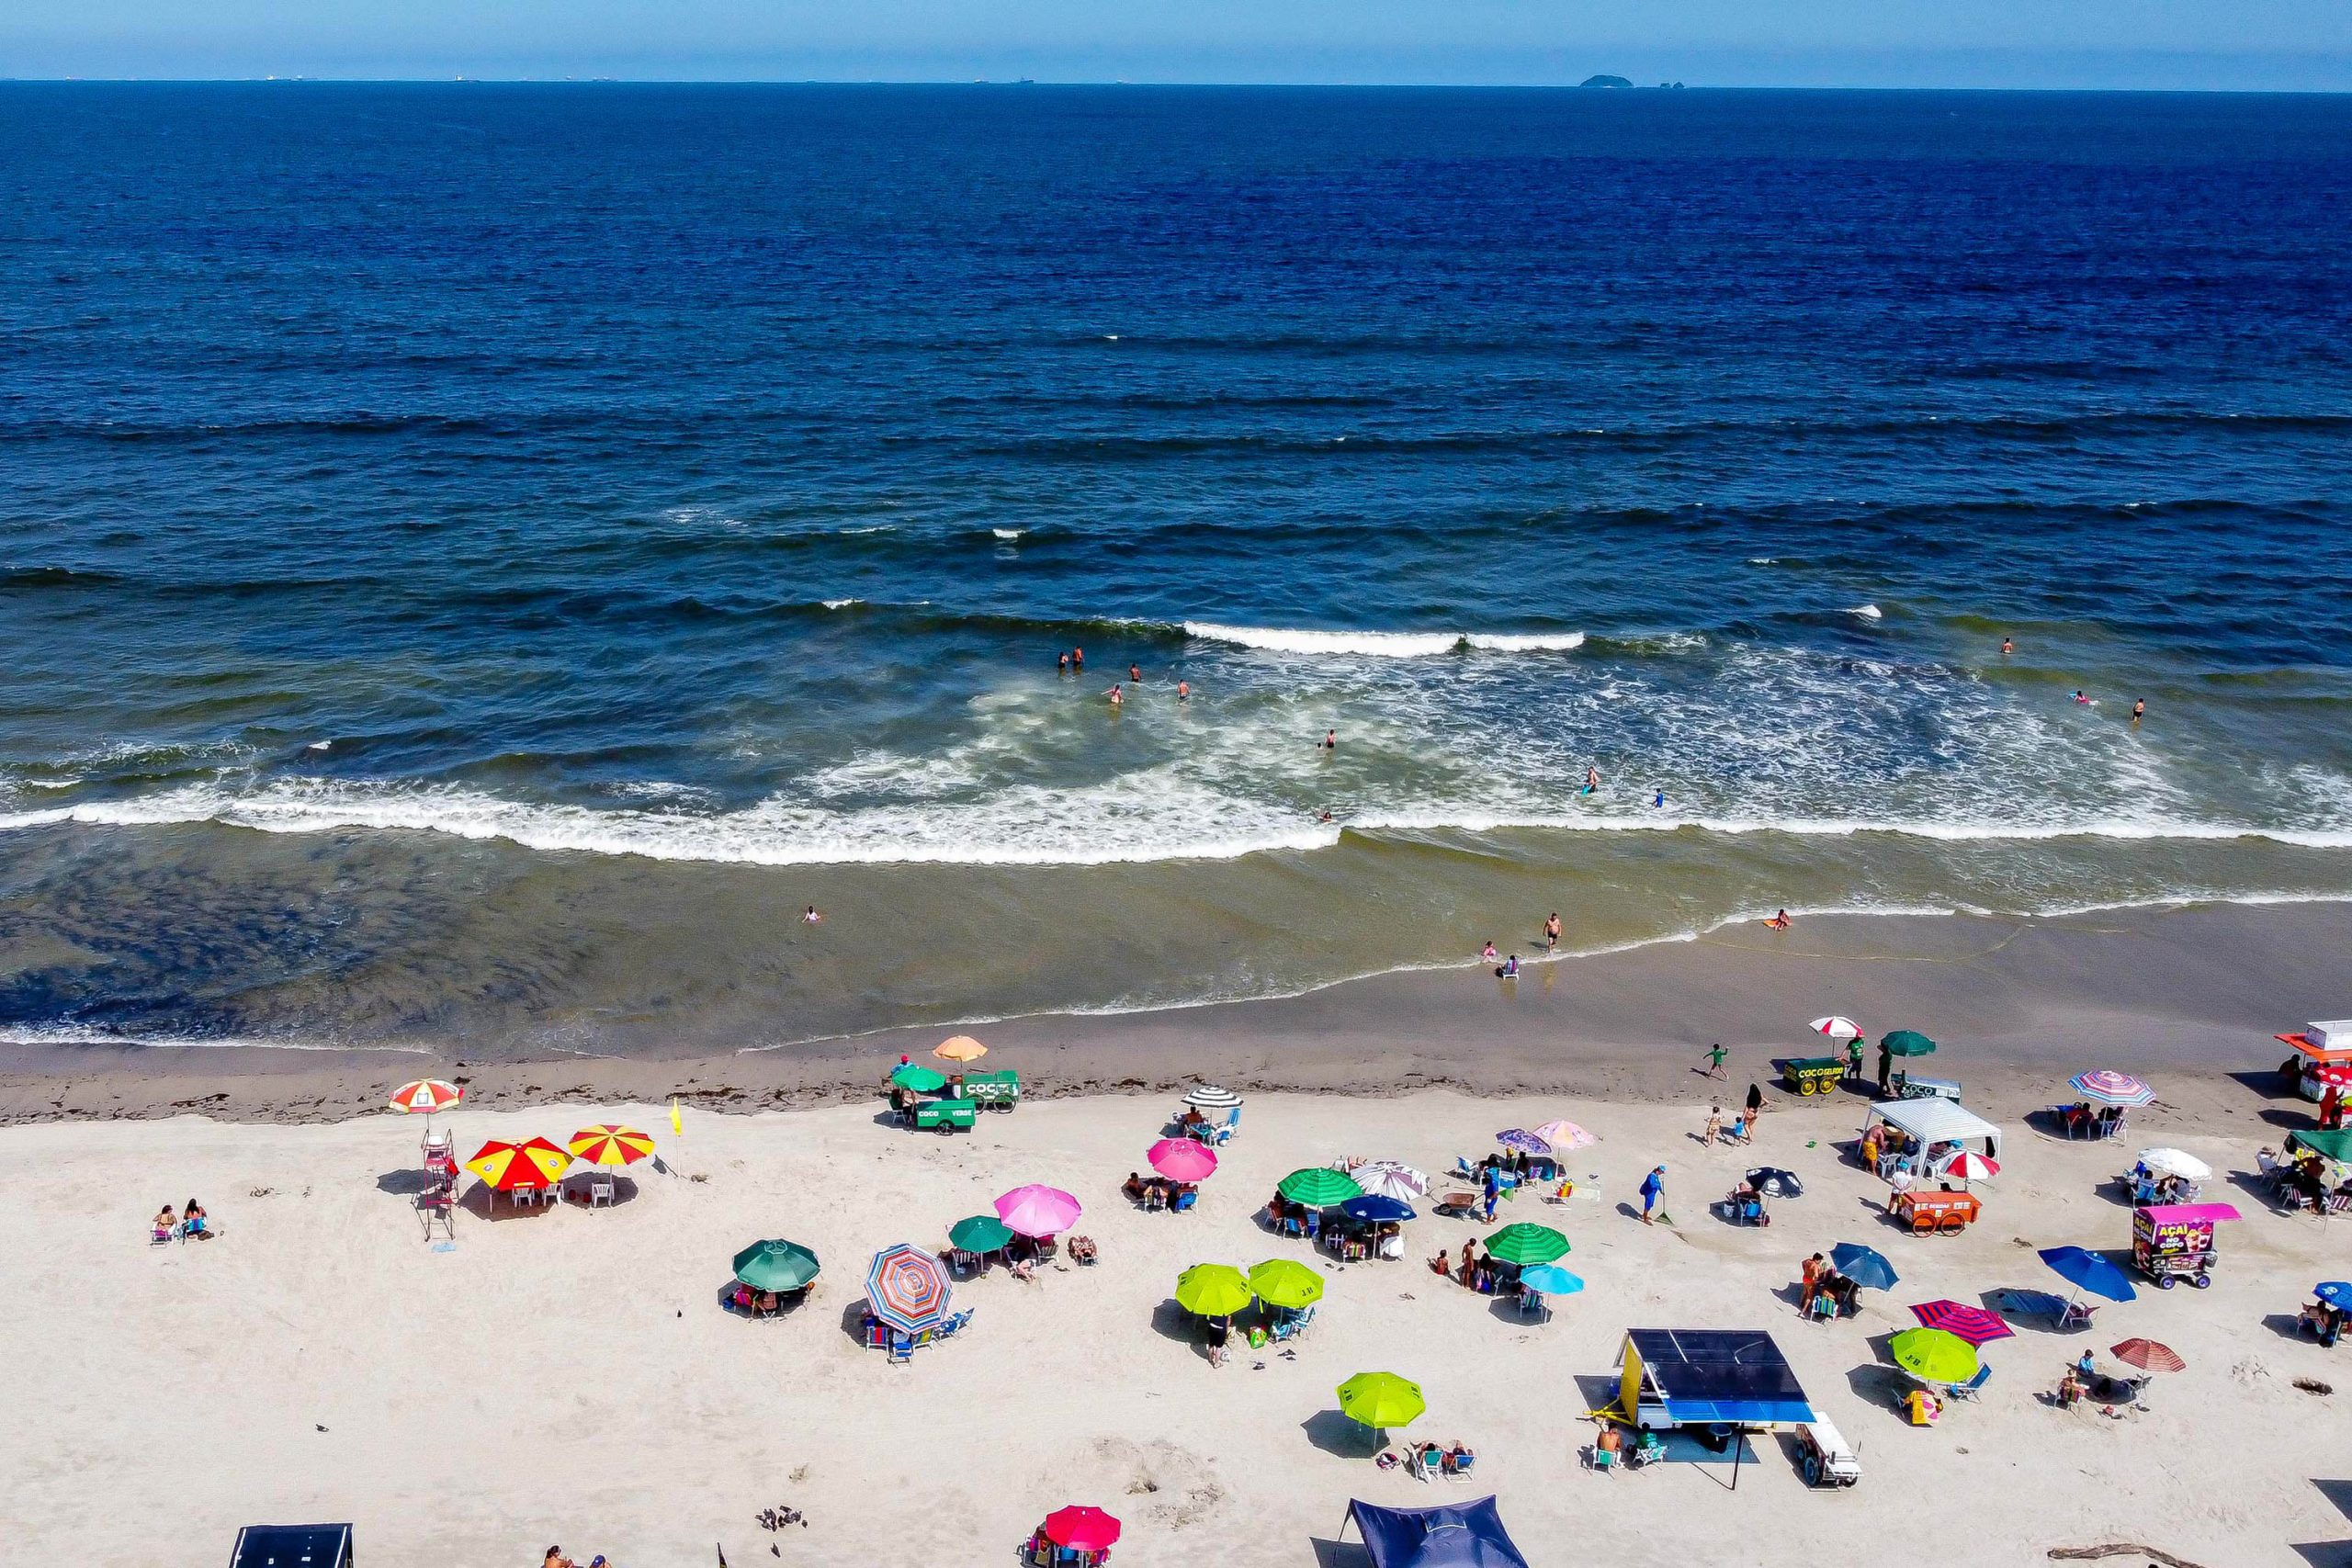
1034,1210
1565,1135
1181,1159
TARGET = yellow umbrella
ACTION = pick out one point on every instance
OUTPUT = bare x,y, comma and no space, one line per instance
961,1048
609,1146
506,1167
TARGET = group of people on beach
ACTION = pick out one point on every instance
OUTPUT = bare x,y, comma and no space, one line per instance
189,1224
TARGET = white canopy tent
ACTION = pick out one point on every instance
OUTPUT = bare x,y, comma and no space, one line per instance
1934,1122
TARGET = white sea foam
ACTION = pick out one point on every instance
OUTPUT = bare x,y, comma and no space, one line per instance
841,604
1867,611
76,1034
1008,533
1382,645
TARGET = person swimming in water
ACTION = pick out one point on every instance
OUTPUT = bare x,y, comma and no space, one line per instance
1659,801
1183,691
1487,952
2085,700
811,918
1331,742
2139,709
1078,658
1134,675
2008,647
1116,697
1061,665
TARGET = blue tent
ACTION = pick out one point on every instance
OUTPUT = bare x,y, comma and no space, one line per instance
292,1546
1470,1535
1708,1377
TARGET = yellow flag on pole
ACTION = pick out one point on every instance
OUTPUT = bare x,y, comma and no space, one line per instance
676,1125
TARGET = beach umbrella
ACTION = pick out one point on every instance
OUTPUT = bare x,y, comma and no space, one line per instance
907,1288
776,1265
2088,1271
506,1167
1526,1242
2335,1292
981,1233
1036,1211
2148,1356
1280,1282
1771,1180
916,1077
610,1145
1082,1529
2174,1162
1523,1141
1836,1028
1376,1208
1969,1166
1381,1399
1907,1042
2106,1086
1319,1187
1565,1135
959,1048
1933,1356
1208,1097
1863,1266
1182,1159
426,1096
1213,1290
1389,1179
1550,1280
1974,1324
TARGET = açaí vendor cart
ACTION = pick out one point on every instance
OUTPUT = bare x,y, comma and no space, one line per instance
2172,1242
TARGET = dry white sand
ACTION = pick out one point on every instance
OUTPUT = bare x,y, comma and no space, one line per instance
568,1377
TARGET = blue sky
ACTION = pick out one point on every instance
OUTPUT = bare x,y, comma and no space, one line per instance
2296,44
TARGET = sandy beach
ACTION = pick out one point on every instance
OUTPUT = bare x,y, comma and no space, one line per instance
569,1377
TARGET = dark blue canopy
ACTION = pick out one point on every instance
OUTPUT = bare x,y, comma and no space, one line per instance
1708,1375
1376,1206
292,1546
1469,1535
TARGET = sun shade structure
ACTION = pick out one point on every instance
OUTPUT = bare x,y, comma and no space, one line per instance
2327,1145
1209,1097
2176,1162
2149,1355
1550,1280
1970,1165
981,1233
776,1265
2106,1087
1377,1208
2335,1292
1319,1187
1389,1179
1863,1265
611,1145
907,1289
292,1546
916,1077
1182,1159
1679,1377
2087,1270
1082,1529
1468,1535
1837,1027
1038,1210
1974,1324
1932,1355
506,1167
1522,1141
1381,1399
426,1096
1566,1136
1937,1121
1907,1042
1527,1243
959,1048
1281,1282
1213,1290
1774,1182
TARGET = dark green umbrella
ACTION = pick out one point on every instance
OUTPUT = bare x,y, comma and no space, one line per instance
1319,1187
1527,1243
981,1233
2329,1146
1907,1042
776,1265
917,1078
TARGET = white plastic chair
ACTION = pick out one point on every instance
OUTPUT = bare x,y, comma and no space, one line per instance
600,1191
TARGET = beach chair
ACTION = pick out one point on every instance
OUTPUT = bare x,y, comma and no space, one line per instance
1598,1458
1462,1467
1974,1385
600,1191
902,1349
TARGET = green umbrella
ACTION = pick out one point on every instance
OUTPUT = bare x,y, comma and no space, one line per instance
1933,1354
2329,1146
1319,1187
776,1265
981,1233
1907,1042
1381,1399
1527,1243
1213,1290
917,1078
1280,1282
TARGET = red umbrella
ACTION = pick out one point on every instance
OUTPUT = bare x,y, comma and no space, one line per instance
2148,1356
1182,1159
1082,1528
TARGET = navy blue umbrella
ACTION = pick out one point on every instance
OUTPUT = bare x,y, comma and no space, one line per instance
1863,1266
1776,1183
2087,1270
1376,1206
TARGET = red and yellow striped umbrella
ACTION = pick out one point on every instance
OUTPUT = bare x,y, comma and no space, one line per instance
426,1096
605,1143
505,1166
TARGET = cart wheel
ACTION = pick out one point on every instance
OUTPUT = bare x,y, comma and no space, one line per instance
2202,1281
1950,1224
2167,1281
1812,1470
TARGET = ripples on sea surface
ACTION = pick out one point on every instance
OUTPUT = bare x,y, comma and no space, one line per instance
476,561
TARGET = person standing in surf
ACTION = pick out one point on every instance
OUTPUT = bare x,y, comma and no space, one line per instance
1591,780
1331,742
1552,932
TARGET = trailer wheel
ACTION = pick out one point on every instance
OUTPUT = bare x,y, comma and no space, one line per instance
2167,1281
2202,1281
1812,1470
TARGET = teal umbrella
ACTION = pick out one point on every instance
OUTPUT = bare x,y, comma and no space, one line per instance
1526,1243
1907,1042
1319,1187
981,1233
917,1078
776,1265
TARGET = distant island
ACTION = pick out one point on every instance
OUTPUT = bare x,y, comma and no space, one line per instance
1604,82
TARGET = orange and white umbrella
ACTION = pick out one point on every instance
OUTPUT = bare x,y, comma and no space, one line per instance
506,1167
426,1096
960,1048
607,1145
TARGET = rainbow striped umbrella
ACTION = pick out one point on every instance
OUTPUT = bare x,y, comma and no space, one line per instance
426,1096
907,1289
2110,1087
1960,1320
607,1145
506,1167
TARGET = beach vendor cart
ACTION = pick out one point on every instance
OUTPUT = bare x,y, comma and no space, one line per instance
947,1115
1824,1456
2172,1242
994,1092
1813,1074
2325,1044
1936,1214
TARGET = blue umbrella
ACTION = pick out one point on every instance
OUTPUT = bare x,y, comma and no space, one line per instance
1863,1266
1376,1206
2087,1270
2335,1292
1550,1280
1522,1141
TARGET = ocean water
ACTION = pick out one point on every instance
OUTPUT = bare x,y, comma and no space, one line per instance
477,561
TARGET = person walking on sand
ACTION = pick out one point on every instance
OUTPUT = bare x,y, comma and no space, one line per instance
1854,1057
1653,1188
1552,932
1755,1102
1715,1124
1715,1056
1885,1071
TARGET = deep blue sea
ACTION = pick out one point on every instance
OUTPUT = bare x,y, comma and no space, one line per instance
476,561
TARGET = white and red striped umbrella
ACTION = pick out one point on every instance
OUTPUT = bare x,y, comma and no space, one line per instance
2149,1355
426,1096
1968,1165
1836,1028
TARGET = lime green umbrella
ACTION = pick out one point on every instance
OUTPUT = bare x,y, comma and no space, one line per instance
1213,1290
1933,1354
1319,1187
776,1265
1907,1042
981,1233
1381,1399
1527,1243
1280,1282
917,1078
